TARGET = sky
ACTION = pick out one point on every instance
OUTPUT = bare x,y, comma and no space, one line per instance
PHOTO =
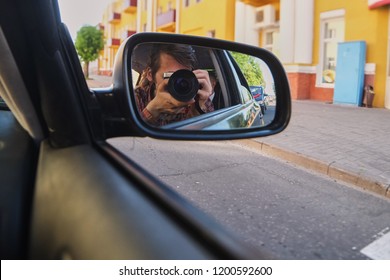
76,13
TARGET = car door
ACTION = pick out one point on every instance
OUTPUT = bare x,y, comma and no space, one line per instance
70,195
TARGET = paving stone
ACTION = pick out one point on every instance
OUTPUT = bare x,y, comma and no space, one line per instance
355,140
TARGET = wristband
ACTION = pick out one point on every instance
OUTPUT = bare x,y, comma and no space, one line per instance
146,114
198,108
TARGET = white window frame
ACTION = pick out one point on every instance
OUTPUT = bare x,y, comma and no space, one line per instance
325,18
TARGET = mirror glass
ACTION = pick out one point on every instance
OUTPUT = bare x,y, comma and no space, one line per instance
196,88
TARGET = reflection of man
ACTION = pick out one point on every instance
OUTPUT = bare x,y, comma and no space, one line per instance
155,103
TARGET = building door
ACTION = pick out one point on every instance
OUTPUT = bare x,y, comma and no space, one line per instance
351,58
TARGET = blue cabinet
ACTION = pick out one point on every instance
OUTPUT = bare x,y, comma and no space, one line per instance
349,83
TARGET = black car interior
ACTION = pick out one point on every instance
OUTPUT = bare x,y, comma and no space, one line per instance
18,159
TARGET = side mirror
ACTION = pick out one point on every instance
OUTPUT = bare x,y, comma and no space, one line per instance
173,86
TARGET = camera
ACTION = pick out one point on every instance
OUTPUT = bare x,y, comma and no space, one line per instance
182,85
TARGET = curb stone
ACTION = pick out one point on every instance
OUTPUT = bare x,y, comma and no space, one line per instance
320,167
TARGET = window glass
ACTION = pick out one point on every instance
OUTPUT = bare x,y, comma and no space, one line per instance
271,41
105,16
260,16
269,38
333,33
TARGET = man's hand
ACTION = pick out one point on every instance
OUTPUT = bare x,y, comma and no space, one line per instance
163,102
206,90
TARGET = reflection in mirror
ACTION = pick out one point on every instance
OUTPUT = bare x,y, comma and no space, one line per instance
197,88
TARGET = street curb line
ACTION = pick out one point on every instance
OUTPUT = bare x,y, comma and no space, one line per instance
320,167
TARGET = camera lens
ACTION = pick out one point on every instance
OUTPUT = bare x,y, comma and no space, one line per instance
183,85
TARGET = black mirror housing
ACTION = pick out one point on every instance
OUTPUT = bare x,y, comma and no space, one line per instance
132,119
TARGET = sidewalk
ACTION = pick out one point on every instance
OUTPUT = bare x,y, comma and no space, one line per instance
351,144
97,81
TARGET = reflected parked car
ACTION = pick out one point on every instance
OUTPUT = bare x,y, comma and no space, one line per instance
259,95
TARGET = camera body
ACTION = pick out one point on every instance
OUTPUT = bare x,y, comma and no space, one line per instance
182,85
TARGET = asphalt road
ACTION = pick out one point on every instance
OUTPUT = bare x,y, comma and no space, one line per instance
273,205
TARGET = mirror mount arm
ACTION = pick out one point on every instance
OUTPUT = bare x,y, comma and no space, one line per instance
112,122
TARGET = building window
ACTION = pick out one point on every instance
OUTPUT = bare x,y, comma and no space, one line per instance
186,3
159,10
332,33
271,41
170,6
260,16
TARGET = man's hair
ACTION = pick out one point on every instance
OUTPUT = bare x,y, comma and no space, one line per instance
183,54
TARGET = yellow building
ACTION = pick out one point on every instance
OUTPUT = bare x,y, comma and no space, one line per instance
119,22
257,22
208,18
165,16
347,21
196,17
304,34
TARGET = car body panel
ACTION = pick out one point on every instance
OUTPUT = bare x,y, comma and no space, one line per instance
238,116
84,198
260,96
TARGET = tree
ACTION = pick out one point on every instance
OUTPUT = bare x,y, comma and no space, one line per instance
250,68
89,42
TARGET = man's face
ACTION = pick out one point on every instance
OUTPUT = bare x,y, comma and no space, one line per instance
167,64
